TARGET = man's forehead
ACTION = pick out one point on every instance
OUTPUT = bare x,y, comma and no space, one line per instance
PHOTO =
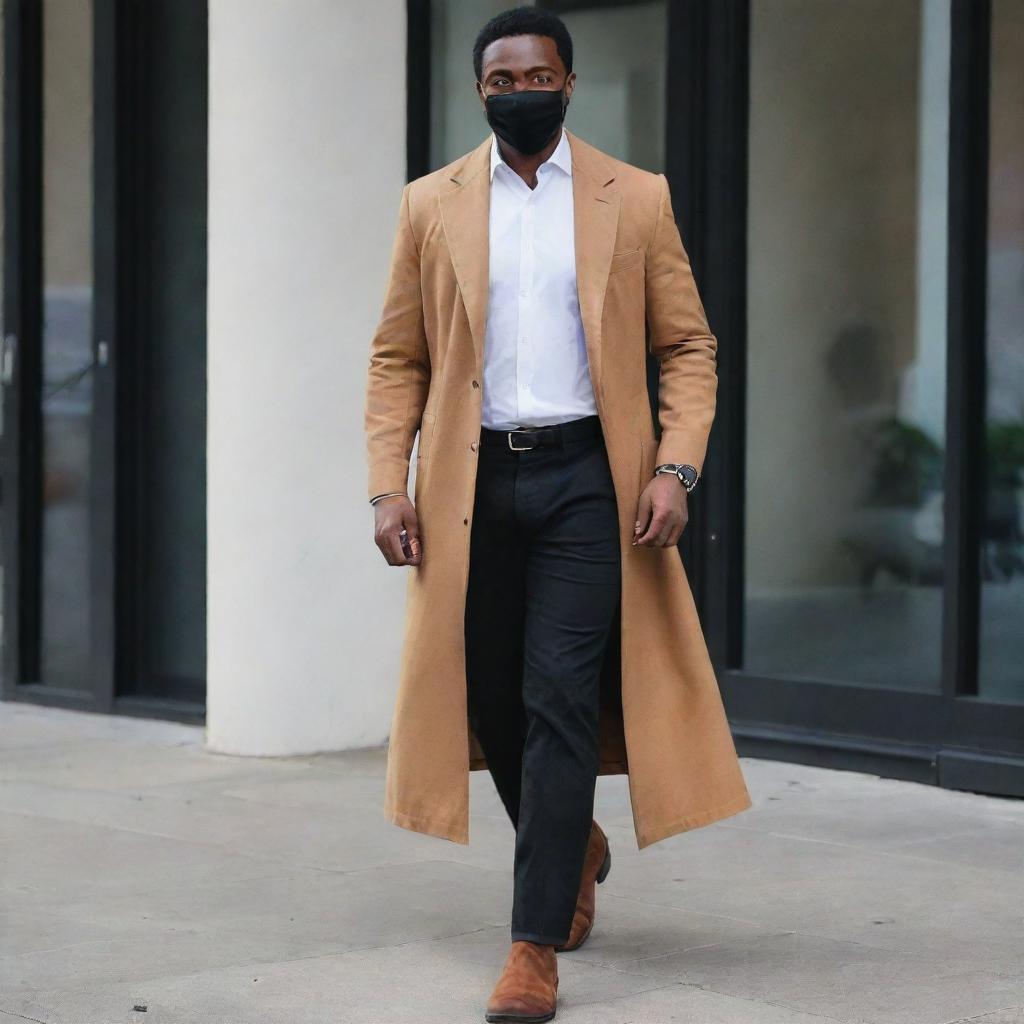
535,51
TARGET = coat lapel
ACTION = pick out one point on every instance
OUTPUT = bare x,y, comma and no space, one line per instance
465,212
596,203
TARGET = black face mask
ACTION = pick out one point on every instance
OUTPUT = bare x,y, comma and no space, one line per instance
527,120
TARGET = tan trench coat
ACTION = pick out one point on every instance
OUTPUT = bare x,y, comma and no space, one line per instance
662,719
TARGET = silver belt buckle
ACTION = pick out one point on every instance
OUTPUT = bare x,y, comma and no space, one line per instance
514,448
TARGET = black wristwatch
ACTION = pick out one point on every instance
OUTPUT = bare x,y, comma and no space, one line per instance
687,474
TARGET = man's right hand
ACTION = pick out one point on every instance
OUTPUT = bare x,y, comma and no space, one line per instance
392,515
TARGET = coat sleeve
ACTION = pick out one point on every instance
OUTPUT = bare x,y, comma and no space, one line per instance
399,368
682,342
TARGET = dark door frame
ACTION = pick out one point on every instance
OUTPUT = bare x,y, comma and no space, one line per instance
23,321
23,317
951,738
114,635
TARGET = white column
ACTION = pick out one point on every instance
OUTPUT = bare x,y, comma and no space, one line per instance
307,163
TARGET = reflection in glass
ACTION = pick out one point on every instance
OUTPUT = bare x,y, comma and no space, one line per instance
1002,555
67,394
847,338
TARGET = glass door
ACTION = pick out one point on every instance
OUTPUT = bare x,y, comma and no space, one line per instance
52,413
846,342
64,400
1001,646
103,360
863,527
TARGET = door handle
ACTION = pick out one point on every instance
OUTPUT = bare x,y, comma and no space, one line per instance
10,348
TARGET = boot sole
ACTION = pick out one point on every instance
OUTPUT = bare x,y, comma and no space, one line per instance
602,874
518,1018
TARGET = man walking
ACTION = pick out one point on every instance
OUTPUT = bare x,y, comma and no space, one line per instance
546,515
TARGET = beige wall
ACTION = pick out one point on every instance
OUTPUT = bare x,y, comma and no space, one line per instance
307,163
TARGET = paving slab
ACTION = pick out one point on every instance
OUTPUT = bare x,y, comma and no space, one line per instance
139,870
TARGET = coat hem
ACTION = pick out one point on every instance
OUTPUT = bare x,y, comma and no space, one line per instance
717,813
478,764
426,826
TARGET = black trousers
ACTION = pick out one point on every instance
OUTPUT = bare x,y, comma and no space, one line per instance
544,586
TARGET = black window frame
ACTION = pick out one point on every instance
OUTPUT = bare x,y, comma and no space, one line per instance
115,535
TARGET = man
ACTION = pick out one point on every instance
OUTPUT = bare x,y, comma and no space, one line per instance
550,634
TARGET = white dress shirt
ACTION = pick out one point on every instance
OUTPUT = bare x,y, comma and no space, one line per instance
535,356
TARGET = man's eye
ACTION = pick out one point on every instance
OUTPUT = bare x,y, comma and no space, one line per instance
543,78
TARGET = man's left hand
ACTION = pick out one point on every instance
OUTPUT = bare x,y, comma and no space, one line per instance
661,514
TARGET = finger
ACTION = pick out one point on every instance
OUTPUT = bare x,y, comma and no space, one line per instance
660,539
412,528
679,530
664,538
417,551
412,525
380,539
394,547
643,515
657,525
673,536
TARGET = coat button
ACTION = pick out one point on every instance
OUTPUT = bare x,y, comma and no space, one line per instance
475,384
473,445
466,520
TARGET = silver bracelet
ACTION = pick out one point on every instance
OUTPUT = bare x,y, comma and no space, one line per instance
390,494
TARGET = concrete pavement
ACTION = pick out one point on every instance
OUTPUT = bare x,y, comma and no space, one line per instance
145,880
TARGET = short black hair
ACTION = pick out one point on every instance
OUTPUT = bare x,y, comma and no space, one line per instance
523,21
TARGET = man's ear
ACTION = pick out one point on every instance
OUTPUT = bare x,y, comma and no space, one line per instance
480,93
570,84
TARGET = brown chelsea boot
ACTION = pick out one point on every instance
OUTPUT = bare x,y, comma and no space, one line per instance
527,989
596,862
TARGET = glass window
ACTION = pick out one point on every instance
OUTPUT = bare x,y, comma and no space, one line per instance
619,101
1002,554
847,340
3,320
67,393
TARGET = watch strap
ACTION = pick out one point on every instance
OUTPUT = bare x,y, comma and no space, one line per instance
687,475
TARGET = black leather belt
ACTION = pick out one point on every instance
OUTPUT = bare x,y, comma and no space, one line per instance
552,435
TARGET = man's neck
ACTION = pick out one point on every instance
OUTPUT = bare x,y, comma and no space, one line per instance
526,166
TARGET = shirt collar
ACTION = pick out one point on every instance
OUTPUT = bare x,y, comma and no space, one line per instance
561,157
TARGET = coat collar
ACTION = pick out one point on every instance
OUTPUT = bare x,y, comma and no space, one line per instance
465,210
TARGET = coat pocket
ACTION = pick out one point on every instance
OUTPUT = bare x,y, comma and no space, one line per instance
427,423
625,260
